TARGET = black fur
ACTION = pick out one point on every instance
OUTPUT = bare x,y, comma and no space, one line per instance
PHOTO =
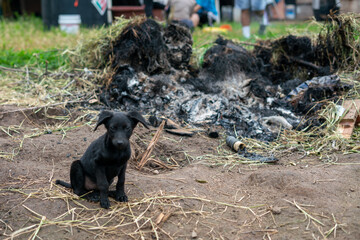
105,159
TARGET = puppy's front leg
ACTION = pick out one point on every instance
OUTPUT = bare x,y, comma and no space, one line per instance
103,186
120,186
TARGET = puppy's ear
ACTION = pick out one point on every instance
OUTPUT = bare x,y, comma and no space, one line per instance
136,117
104,116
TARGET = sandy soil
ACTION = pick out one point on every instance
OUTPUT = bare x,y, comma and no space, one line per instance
297,198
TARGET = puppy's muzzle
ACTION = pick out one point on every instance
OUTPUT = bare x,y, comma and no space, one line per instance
120,144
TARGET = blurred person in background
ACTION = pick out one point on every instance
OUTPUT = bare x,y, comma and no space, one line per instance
207,12
151,4
184,11
248,6
265,20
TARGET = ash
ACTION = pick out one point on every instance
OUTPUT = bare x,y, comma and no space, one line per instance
231,89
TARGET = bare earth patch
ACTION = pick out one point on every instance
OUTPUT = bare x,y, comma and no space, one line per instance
186,197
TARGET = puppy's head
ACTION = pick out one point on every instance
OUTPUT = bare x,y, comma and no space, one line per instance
120,126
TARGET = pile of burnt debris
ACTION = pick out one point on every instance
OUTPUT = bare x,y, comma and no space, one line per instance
255,93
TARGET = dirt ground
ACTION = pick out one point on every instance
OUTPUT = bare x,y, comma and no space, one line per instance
190,198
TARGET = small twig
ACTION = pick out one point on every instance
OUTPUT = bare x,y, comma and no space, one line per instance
166,233
272,231
253,44
136,222
32,211
333,229
319,229
273,218
67,85
304,212
203,200
305,63
16,70
22,231
27,76
43,219
46,67
52,171
164,165
324,180
6,225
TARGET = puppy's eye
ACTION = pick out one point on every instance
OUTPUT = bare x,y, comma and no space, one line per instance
112,128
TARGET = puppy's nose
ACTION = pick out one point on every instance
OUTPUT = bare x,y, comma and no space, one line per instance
120,143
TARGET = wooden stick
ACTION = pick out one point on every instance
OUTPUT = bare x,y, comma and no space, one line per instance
151,146
305,63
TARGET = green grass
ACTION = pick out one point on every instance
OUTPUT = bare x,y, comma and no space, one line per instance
54,59
25,42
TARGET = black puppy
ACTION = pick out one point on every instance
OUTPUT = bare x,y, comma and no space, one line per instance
105,159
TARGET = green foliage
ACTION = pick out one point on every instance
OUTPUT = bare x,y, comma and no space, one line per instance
25,41
32,58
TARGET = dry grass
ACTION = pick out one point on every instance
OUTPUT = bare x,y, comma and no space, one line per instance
61,123
340,42
92,48
151,215
142,218
37,87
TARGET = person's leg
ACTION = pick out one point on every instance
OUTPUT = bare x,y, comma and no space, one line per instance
148,8
245,17
264,23
203,18
195,18
258,6
244,5
245,22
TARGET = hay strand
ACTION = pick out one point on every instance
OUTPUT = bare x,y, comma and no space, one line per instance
307,215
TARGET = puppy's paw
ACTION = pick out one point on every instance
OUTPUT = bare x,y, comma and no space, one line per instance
112,194
94,197
105,203
121,197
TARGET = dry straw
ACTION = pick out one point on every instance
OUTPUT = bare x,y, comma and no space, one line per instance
93,48
141,218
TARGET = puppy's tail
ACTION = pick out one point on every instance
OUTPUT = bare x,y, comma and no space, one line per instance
62,183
